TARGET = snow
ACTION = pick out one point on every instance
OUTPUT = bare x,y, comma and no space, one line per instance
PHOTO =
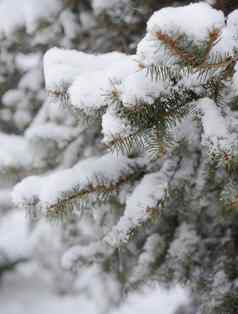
200,19
69,23
113,126
235,79
212,121
50,131
90,81
139,87
150,51
30,293
36,297
146,197
50,189
16,153
14,237
185,241
232,21
102,81
77,253
25,13
155,300
147,194
31,80
62,66
215,127
100,5
229,36
26,62
147,258
12,97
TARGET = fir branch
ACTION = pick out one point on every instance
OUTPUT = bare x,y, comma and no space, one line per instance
101,191
163,72
166,110
172,44
152,123
200,63
212,41
126,144
158,142
60,94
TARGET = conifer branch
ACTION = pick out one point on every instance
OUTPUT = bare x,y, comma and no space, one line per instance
172,44
102,191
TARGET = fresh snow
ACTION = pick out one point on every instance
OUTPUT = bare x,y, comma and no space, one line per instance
216,134
195,20
146,197
47,190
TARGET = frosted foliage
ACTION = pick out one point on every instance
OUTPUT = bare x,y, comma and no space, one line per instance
14,238
11,97
235,79
17,154
25,13
116,147
26,62
146,197
101,5
80,253
50,131
150,251
119,75
186,240
216,134
155,300
104,288
36,297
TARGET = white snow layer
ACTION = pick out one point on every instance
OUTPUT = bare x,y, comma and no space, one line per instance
50,189
216,134
145,199
195,20
62,67
200,20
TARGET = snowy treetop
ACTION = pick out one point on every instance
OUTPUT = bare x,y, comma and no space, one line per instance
156,109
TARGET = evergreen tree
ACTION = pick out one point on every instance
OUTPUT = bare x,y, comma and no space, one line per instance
134,153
